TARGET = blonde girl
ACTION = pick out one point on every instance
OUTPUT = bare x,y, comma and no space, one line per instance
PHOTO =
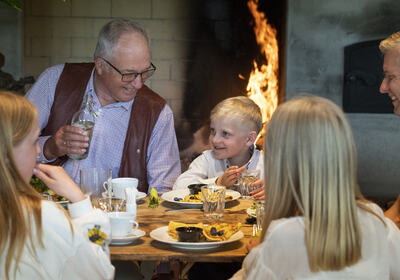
318,225
38,240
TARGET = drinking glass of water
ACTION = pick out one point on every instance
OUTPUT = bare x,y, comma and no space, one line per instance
247,178
260,210
92,180
213,201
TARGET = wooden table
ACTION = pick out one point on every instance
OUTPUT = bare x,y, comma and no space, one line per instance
147,249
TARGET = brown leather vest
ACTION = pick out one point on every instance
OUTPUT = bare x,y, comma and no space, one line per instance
144,114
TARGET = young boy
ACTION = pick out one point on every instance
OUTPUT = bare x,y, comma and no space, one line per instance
235,124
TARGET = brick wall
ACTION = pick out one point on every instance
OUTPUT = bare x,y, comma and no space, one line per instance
56,32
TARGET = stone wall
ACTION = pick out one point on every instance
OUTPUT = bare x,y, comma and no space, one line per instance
11,40
57,31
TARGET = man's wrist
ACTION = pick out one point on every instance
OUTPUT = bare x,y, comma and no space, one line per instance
46,151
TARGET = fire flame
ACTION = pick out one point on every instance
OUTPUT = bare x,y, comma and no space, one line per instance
262,87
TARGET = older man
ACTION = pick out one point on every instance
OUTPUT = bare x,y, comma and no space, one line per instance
134,130
390,48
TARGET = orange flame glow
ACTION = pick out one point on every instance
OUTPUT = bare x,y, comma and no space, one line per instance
263,82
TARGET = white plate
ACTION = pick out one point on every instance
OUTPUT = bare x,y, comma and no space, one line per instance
169,196
252,212
124,240
161,234
139,195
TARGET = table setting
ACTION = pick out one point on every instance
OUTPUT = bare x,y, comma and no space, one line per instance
132,219
141,223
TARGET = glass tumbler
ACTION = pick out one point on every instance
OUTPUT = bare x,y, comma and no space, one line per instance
246,178
91,182
260,210
213,201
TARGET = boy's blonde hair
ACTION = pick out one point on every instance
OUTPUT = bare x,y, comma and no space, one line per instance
390,43
311,170
240,108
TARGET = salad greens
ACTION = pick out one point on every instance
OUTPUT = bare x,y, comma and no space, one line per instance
41,187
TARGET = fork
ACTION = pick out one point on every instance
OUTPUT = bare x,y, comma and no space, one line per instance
256,229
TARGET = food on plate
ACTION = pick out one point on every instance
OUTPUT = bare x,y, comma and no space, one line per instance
190,234
41,187
193,198
197,198
195,188
172,226
213,232
220,231
153,202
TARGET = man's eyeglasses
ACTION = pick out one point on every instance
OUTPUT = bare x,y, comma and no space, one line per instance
129,77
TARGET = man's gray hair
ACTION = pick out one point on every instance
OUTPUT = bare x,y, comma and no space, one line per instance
390,43
110,34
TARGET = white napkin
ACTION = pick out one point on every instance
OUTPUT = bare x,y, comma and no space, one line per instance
130,195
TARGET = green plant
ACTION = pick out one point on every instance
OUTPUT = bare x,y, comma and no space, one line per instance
13,3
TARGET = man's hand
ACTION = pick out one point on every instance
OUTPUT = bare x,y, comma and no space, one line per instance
393,212
58,180
230,176
259,192
67,140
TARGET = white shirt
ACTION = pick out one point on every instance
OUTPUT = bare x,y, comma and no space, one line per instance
283,253
66,255
205,169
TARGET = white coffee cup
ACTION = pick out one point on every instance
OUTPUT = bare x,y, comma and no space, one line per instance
119,185
121,223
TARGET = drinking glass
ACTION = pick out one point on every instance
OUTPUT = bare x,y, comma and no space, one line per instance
246,178
213,201
92,180
260,210
111,204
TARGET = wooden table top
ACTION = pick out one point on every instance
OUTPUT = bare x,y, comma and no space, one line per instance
148,249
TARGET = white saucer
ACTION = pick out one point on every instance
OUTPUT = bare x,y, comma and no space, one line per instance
252,212
124,240
139,195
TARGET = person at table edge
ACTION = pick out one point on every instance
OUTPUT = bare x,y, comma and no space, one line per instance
134,131
390,48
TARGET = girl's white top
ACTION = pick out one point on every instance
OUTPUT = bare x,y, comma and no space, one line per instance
283,253
67,254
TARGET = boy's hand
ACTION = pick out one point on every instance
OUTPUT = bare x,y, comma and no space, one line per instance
259,192
230,176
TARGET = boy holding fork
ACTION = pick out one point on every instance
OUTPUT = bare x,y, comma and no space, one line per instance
235,124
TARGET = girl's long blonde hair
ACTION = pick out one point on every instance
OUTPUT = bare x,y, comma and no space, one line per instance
311,170
20,204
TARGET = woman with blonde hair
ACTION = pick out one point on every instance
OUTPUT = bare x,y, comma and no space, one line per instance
318,225
38,240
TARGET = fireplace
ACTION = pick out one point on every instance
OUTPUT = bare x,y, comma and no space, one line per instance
222,61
